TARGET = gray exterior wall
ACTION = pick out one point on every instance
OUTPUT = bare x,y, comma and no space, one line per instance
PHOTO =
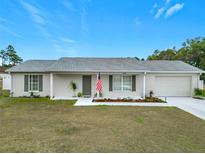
61,87
152,85
17,84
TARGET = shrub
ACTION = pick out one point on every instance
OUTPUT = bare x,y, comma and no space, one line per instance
5,93
198,92
151,93
80,94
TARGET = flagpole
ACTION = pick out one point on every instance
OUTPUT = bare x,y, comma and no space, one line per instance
97,90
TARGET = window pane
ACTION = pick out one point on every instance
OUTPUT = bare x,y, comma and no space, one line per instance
30,82
116,83
40,82
127,83
34,83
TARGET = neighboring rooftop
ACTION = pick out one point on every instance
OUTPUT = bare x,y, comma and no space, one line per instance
66,64
3,69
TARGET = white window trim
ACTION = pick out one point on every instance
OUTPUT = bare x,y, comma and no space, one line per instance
29,83
121,84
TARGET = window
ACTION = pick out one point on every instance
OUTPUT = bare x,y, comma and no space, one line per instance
33,83
117,83
127,83
122,83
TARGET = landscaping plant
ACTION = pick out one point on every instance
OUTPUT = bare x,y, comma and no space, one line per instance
151,93
73,87
199,92
80,94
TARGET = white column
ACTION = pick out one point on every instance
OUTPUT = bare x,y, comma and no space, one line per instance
51,85
144,85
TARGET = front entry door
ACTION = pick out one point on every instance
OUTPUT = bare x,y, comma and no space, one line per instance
87,85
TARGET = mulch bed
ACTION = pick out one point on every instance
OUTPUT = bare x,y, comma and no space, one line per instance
146,100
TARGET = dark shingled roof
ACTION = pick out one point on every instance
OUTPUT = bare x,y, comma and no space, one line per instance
102,65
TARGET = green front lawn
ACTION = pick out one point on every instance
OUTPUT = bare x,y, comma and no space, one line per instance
42,125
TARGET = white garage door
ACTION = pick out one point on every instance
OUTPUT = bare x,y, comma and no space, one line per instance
173,86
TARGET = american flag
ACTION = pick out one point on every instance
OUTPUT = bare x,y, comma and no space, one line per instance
99,83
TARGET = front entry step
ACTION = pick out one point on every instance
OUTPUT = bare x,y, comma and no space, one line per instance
87,96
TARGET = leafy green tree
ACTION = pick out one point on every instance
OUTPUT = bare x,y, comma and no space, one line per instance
13,58
137,58
169,54
191,52
4,57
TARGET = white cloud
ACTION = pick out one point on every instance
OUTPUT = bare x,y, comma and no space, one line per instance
160,11
64,49
137,22
35,13
69,6
153,8
68,40
11,32
38,17
83,14
84,27
5,21
168,1
165,10
174,9
155,5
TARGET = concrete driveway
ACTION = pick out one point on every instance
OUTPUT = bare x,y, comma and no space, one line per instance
188,104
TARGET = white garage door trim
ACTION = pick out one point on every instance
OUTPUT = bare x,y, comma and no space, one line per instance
173,85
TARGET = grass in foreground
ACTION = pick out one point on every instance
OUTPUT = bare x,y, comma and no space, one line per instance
41,125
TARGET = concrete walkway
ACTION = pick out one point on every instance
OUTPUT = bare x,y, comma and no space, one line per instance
188,104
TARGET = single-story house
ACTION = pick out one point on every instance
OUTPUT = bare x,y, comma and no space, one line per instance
5,78
121,77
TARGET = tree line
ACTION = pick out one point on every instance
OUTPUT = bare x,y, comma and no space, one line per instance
191,52
10,57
